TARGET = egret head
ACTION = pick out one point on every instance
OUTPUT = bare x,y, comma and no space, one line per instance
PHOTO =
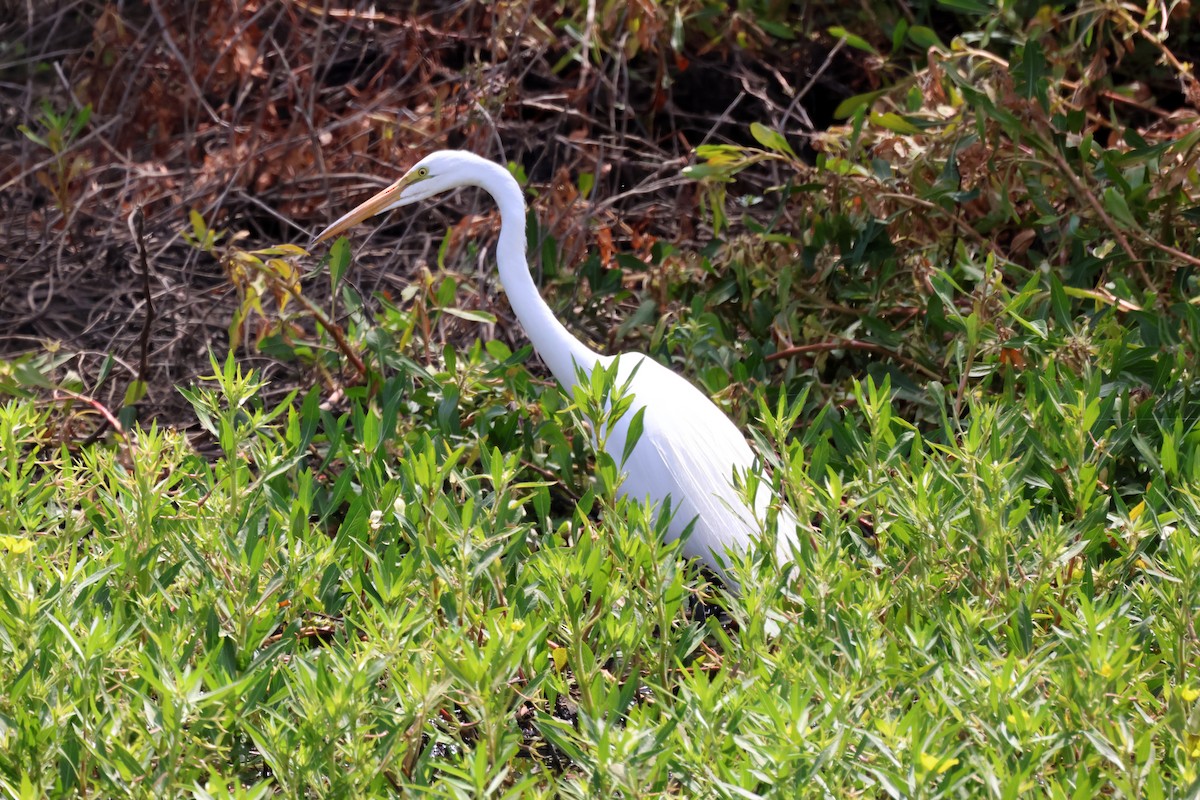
435,173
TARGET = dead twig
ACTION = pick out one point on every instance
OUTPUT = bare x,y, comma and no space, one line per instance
853,344
137,227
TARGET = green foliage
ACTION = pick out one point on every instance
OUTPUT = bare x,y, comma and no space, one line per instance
395,597
57,133
964,341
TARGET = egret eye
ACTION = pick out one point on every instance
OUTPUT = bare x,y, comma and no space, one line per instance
423,172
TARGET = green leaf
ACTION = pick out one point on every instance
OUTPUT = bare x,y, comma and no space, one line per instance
282,250
770,139
471,315
351,299
634,434
1114,204
847,107
81,120
199,226
446,292
967,6
1029,73
899,34
854,40
925,38
776,29
135,392
1169,455
586,183
1060,304
719,152
105,369
705,172
443,249
33,137
895,123
339,259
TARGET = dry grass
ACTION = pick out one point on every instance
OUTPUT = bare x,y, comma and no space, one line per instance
268,118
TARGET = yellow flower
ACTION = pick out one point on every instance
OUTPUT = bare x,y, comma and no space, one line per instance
16,544
1189,694
1019,718
1106,670
517,625
932,763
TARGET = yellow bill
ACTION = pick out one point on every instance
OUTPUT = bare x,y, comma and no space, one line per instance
388,198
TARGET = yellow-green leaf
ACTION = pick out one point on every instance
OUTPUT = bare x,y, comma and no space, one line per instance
282,250
894,123
718,155
283,268
199,227
471,315
339,259
135,392
848,106
924,37
852,39
770,139
1114,203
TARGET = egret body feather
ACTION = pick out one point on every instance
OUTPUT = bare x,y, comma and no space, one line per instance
688,451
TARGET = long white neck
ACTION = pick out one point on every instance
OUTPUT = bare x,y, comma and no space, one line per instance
554,343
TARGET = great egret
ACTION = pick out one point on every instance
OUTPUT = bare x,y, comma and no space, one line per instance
688,450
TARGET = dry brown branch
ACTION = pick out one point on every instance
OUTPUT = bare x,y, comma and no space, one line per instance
854,344
137,224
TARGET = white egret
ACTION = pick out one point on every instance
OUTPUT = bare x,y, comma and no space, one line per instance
689,449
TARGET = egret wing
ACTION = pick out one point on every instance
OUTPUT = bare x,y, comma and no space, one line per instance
688,451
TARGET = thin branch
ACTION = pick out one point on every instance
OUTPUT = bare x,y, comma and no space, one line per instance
137,227
853,344
325,322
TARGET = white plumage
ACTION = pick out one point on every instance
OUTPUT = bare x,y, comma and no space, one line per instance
688,450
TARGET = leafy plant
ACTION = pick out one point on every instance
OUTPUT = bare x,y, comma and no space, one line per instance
961,337
58,133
